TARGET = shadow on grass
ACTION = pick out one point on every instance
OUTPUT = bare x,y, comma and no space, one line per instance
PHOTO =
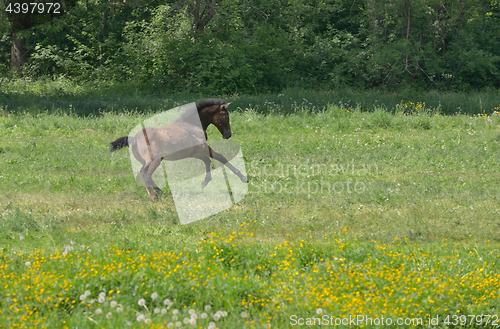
96,97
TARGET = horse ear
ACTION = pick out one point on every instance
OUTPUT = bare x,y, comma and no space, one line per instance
224,106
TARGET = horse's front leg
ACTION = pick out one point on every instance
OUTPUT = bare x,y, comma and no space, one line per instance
222,159
208,174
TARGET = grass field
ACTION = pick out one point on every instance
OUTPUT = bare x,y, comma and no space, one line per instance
375,214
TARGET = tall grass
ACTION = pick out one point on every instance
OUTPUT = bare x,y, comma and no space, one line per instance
101,96
387,212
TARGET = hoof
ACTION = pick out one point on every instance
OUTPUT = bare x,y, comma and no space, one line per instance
205,182
159,193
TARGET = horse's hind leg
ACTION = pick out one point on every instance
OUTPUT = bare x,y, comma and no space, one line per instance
219,157
146,172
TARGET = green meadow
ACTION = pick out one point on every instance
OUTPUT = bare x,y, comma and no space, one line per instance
354,208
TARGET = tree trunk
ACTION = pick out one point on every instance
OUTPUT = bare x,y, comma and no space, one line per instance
202,18
18,52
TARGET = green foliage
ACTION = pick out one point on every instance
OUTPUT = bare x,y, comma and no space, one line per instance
258,46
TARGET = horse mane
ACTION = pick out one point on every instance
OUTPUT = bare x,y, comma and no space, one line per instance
202,103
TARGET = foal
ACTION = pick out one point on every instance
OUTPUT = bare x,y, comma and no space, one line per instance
184,138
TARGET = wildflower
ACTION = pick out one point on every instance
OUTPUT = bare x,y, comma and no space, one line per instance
243,314
98,311
140,318
163,311
170,325
141,302
113,303
208,308
192,321
204,315
223,313
211,325
27,264
191,311
109,315
175,312
186,320
21,237
147,321
167,302
178,324
101,299
319,311
216,316
82,297
157,310
119,309
129,323
87,293
154,295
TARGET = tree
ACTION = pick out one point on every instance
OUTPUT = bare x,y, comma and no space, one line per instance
24,16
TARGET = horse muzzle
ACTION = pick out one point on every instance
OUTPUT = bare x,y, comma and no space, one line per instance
226,135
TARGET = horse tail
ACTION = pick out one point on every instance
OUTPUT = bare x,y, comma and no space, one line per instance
121,143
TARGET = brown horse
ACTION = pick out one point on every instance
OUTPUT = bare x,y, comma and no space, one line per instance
186,137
